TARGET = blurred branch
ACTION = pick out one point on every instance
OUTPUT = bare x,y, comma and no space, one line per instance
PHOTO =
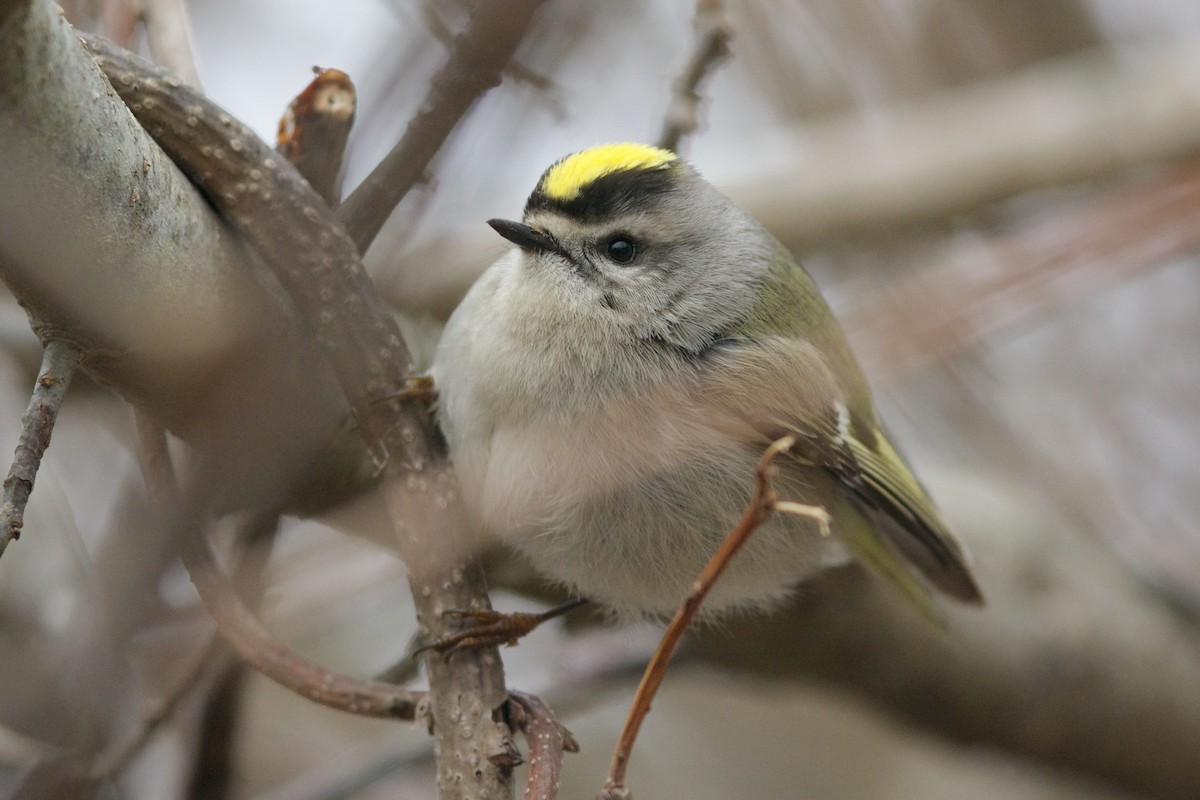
235,622
514,69
213,765
158,472
214,768
1076,119
110,763
169,35
477,60
713,33
18,752
972,296
118,19
59,363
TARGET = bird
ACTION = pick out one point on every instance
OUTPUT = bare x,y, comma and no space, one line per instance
607,387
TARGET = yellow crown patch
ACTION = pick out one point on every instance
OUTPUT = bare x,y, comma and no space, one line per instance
567,179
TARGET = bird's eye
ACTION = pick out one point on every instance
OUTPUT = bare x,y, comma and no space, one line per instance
622,249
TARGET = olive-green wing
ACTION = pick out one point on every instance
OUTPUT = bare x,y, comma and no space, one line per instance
784,385
883,487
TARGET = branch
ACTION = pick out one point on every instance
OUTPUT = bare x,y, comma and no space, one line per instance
59,363
1075,119
1074,663
118,19
314,129
111,762
52,99
272,658
300,239
477,60
713,33
762,505
279,214
600,672
514,69
160,291
548,740
236,623
169,35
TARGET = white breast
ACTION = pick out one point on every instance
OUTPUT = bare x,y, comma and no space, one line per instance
620,489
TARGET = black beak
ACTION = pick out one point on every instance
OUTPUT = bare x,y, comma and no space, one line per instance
525,236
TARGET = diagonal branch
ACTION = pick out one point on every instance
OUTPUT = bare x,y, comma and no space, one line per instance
59,363
762,505
713,33
477,60
111,762
286,221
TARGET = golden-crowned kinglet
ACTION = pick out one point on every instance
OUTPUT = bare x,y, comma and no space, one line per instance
608,387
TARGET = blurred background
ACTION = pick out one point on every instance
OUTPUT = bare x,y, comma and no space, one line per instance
1002,203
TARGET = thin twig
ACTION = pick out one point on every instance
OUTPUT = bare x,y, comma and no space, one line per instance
24,752
59,363
237,624
548,740
760,508
477,60
713,33
213,764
